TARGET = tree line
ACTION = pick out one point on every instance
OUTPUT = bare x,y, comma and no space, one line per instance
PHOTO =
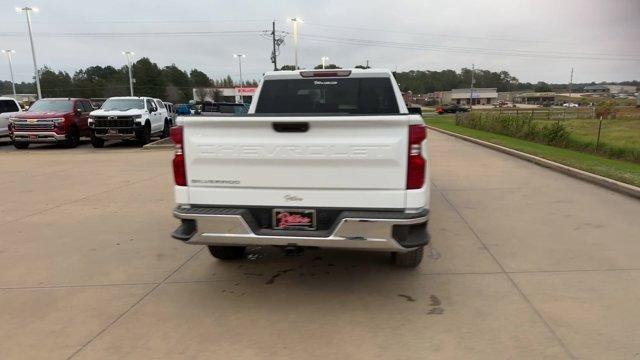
175,85
168,83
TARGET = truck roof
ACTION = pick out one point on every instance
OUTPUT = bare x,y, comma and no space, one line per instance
300,74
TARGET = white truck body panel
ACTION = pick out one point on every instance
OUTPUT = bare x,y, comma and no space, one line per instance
346,156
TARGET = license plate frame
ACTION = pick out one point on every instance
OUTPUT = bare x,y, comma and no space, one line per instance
112,132
294,219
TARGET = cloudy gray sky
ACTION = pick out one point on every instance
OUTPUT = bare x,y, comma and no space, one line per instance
534,40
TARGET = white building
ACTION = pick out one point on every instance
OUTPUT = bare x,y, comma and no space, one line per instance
225,94
481,96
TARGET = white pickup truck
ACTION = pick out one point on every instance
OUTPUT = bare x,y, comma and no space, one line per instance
324,158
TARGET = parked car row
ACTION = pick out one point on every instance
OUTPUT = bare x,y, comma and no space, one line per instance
451,109
66,120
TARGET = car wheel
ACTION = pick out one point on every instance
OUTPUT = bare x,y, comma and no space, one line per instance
97,142
73,138
165,129
21,145
227,252
409,259
144,137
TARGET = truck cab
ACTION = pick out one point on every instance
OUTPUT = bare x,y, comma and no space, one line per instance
129,118
53,120
324,158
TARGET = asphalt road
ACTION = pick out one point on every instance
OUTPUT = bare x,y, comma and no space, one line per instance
525,264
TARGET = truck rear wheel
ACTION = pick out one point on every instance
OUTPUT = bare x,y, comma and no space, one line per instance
409,259
227,252
165,129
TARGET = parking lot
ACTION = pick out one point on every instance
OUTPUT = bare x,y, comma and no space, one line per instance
525,263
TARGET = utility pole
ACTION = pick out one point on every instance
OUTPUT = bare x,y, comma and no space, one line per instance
473,70
324,60
274,54
240,56
571,85
9,52
296,22
128,54
27,10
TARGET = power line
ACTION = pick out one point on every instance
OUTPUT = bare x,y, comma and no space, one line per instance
468,50
137,34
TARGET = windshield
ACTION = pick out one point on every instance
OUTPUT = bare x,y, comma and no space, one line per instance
123,104
328,96
51,106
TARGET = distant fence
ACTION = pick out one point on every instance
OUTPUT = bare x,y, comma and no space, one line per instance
544,113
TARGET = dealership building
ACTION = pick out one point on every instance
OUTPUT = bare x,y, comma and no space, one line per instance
225,94
480,96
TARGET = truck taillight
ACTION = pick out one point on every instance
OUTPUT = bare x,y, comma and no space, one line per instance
179,170
416,163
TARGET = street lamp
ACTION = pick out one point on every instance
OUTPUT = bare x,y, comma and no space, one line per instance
240,56
27,10
129,54
324,60
9,52
295,22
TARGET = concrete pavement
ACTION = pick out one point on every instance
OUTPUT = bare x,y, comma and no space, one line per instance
525,263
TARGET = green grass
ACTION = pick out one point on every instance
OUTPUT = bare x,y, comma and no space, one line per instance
621,132
623,171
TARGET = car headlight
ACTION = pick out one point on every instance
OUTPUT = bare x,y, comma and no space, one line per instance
136,117
58,121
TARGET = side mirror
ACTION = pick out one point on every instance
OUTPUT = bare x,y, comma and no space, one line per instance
78,111
415,110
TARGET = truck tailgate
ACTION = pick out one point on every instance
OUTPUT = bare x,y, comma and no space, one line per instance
345,161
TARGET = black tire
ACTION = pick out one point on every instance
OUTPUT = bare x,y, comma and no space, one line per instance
97,142
144,137
73,138
227,252
409,259
21,145
165,129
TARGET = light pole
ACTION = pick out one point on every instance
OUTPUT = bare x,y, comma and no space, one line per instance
240,56
27,10
324,60
295,22
473,71
9,52
129,54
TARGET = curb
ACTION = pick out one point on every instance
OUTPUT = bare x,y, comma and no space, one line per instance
161,144
610,184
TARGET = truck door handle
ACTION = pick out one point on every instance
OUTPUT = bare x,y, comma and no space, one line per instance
290,126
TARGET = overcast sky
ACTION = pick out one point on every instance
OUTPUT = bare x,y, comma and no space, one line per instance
534,40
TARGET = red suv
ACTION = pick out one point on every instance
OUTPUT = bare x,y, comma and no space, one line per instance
51,121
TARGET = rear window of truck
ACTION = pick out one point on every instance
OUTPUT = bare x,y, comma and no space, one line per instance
353,96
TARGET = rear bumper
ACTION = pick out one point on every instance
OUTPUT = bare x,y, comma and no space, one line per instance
366,230
40,136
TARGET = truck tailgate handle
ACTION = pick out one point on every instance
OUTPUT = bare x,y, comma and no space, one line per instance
290,126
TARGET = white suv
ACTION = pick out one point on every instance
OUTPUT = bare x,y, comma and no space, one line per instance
8,107
126,118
